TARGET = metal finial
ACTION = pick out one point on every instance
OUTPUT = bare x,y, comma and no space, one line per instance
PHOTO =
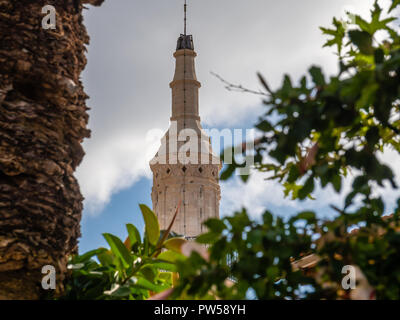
185,16
185,41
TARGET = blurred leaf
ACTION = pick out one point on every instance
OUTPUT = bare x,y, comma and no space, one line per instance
307,215
174,244
395,3
145,284
317,76
151,224
362,40
228,172
215,225
87,256
118,249
170,256
119,291
105,258
307,188
165,235
134,235
338,35
208,237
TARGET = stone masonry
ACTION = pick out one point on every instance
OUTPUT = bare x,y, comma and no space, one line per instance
185,169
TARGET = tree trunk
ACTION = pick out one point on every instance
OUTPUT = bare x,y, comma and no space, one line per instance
43,118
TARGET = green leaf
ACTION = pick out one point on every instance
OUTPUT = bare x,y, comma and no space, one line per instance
119,291
395,3
367,96
294,174
106,258
134,235
148,272
87,256
244,177
166,277
171,256
228,172
272,272
306,215
255,237
379,55
291,189
364,25
163,265
337,182
265,126
307,188
219,249
208,237
372,136
287,87
317,76
376,22
268,218
119,249
338,35
215,225
360,182
174,244
363,40
145,284
151,224
349,199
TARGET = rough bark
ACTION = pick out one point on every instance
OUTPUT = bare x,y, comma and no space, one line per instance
43,119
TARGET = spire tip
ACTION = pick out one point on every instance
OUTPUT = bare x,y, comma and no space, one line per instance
185,41
185,20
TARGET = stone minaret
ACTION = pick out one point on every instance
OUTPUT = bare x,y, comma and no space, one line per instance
185,170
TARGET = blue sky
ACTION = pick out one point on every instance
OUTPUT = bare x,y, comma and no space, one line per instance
130,65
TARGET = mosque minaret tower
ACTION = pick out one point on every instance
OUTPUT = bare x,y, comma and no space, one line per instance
185,169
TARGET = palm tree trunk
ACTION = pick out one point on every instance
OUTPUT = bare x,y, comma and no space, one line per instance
43,118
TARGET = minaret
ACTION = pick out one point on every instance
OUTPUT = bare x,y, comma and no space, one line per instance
185,169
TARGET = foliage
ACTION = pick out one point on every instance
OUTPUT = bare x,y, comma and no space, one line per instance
245,254
250,257
330,127
325,128
135,269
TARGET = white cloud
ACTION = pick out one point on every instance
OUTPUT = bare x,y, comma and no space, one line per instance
113,166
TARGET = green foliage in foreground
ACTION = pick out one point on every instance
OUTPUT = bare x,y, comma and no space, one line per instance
131,270
259,257
326,128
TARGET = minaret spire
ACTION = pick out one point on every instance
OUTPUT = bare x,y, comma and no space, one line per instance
185,170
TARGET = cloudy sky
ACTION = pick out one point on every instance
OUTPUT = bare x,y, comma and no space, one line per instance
128,74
